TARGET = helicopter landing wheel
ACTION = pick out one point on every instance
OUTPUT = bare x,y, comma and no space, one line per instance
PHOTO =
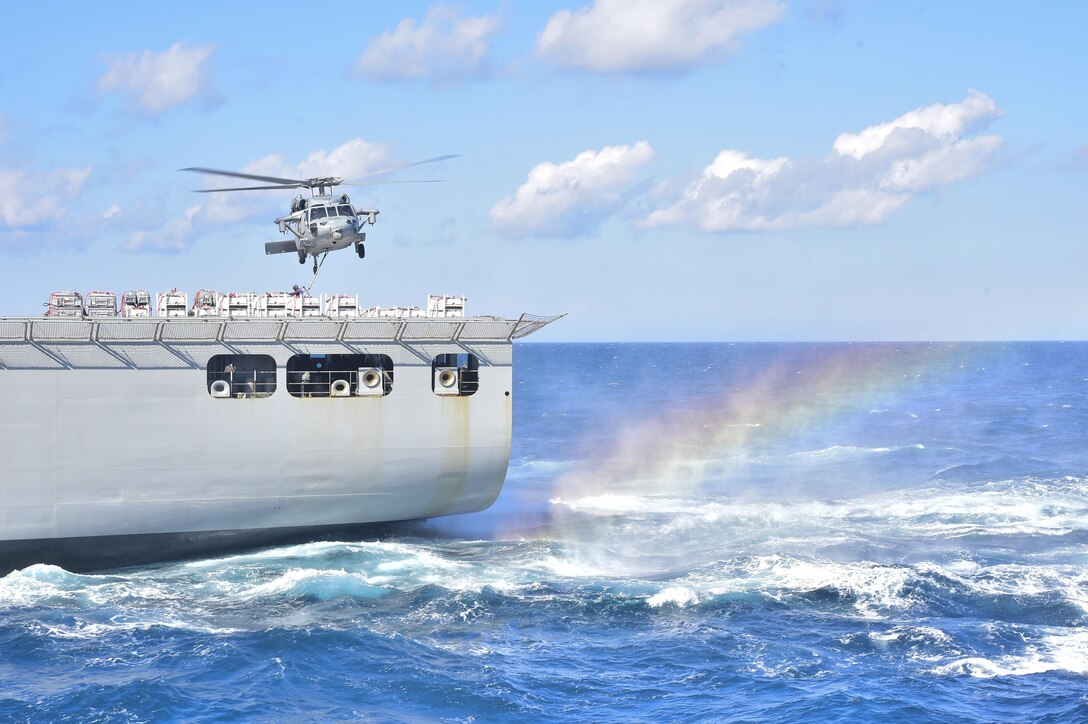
360,250
301,256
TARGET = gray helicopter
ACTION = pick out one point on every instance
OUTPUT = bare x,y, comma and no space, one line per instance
324,221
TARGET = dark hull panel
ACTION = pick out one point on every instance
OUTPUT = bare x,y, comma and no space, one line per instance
97,553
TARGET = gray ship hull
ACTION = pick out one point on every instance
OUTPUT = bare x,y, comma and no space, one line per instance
115,451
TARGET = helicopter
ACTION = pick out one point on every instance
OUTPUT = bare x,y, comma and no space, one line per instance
322,222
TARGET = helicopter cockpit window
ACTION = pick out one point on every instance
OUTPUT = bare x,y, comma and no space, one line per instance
317,212
346,210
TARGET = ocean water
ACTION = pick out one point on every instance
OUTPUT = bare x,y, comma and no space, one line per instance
750,532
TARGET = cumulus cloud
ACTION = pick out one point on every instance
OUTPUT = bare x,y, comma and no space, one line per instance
28,199
866,176
173,237
571,198
444,48
617,36
947,123
156,82
353,158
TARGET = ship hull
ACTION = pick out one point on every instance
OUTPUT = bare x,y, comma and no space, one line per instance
96,455
109,466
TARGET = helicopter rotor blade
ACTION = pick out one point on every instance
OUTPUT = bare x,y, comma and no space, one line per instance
244,188
292,182
311,183
382,183
404,165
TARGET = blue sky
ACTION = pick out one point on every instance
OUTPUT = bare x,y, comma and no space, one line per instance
694,170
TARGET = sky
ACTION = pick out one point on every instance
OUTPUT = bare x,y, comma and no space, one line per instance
694,170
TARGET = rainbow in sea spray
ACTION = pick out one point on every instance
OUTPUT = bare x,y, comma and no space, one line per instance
673,451
701,454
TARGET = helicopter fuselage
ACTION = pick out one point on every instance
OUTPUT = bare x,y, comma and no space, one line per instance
321,224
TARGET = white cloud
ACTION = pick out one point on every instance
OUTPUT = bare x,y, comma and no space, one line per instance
157,82
571,198
945,123
353,158
173,237
36,199
865,177
942,166
112,213
616,36
444,48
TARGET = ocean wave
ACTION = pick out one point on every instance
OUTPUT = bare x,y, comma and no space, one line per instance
661,553
870,590
92,606
853,450
675,595
1016,593
322,585
1013,508
48,585
1060,651
917,642
545,466
80,629
884,411
461,580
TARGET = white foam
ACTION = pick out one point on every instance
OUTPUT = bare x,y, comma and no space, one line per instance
871,590
1056,652
677,595
83,630
874,588
304,550
1027,507
546,465
323,584
46,585
925,634
1068,583
839,451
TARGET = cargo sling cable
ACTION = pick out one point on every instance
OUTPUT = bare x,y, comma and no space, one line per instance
317,269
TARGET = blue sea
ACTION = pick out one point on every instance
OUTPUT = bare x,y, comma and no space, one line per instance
725,532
